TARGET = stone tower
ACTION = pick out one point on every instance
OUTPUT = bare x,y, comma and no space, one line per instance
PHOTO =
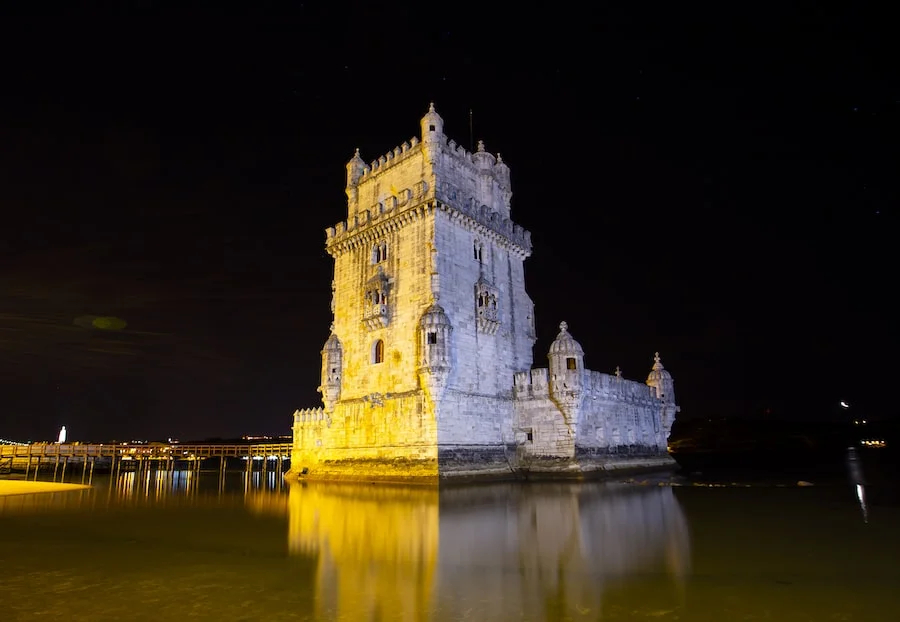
431,317
426,372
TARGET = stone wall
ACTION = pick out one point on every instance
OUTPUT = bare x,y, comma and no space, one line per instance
487,351
617,423
408,293
543,430
379,437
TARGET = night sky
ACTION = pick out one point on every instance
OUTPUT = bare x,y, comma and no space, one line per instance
721,187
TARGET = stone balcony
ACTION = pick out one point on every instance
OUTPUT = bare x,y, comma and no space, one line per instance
375,316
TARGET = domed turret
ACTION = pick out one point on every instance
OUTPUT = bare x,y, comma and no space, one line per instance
566,362
483,160
332,360
501,173
434,329
434,348
355,169
661,380
432,126
565,344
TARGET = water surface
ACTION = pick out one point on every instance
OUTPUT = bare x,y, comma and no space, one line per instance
185,547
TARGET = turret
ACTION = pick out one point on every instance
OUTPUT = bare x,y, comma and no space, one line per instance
501,174
332,357
661,380
432,127
566,365
355,168
484,161
434,349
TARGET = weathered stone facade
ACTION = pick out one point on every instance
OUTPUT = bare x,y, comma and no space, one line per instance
427,372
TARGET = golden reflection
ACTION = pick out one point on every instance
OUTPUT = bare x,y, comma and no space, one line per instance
376,548
545,552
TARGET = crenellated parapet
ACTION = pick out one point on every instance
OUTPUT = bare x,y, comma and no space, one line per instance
387,217
370,226
391,158
309,416
484,176
475,184
490,225
608,386
534,384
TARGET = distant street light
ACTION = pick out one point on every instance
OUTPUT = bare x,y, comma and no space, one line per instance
844,405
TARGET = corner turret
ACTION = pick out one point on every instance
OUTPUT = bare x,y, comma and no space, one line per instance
566,365
332,360
501,174
355,168
434,348
483,160
432,127
661,380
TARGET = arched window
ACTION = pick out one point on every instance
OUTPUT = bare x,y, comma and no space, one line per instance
379,252
378,351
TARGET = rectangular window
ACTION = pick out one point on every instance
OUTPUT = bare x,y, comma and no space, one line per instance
432,338
529,436
570,363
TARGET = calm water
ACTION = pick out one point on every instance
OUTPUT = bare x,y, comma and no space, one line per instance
187,549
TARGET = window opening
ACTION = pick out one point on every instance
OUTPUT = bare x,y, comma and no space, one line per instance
379,252
378,352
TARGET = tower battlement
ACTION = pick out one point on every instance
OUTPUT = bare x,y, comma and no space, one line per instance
392,157
600,384
535,383
531,383
421,170
310,415
385,215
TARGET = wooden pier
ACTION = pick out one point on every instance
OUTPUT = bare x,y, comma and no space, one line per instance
82,459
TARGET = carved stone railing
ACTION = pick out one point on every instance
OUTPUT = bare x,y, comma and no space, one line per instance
375,316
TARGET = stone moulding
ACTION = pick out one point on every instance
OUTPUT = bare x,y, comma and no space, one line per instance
502,231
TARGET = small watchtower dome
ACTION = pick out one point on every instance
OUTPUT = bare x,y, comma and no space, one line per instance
434,340
432,126
566,361
661,380
332,366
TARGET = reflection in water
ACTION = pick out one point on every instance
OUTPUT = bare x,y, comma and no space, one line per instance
152,488
854,467
376,548
182,547
485,553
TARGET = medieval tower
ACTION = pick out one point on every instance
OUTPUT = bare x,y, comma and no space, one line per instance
427,370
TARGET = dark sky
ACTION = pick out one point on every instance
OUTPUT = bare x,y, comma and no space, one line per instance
718,186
